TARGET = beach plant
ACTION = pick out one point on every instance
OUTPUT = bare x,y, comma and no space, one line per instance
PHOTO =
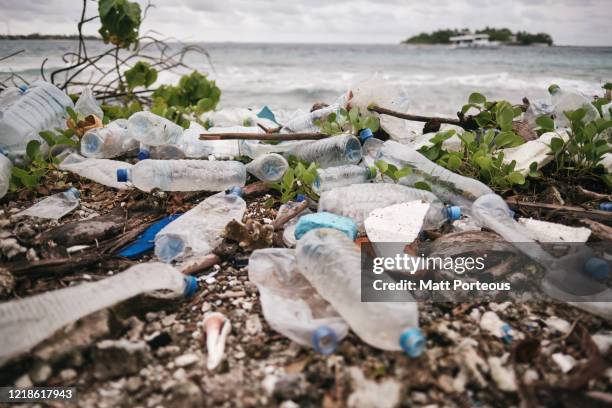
479,157
583,151
120,22
493,115
298,179
39,161
391,171
141,74
347,121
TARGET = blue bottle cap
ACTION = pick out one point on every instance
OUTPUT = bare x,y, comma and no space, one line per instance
299,198
191,286
605,206
23,88
412,342
507,337
143,154
597,268
324,340
237,191
453,212
74,192
122,175
365,134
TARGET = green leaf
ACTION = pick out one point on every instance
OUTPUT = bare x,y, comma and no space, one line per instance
405,171
556,144
545,122
33,149
353,114
48,137
382,166
484,162
477,98
505,119
515,178
453,163
421,185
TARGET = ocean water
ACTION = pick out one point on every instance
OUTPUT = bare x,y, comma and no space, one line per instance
294,76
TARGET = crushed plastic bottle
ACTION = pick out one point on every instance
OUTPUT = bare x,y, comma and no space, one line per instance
184,175
103,171
198,231
371,146
108,142
153,130
331,262
358,200
535,110
305,121
340,176
87,105
291,305
255,148
6,167
289,227
26,322
25,113
449,186
532,151
329,152
220,149
55,206
569,278
563,101
270,167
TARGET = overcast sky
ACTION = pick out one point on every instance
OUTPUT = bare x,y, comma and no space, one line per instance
570,22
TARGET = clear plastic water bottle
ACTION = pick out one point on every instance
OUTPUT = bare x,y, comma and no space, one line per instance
371,146
220,149
198,231
535,110
331,262
6,167
108,142
291,305
331,151
449,186
255,148
87,104
153,130
563,101
184,175
270,167
569,278
305,122
340,176
54,207
26,112
26,322
357,201
103,171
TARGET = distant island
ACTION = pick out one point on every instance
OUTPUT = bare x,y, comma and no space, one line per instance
501,35
37,36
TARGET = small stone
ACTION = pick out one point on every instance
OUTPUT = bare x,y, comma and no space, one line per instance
114,358
133,384
383,394
23,382
168,320
564,361
206,307
445,382
503,377
253,325
180,374
186,394
40,373
186,360
68,374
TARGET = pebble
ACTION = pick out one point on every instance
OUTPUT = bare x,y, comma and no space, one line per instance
186,360
558,324
68,374
168,320
23,382
564,361
253,325
40,373
133,384
180,374
503,376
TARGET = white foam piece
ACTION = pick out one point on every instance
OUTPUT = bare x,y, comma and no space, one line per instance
544,231
396,223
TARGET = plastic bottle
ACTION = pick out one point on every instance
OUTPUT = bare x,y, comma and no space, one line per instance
340,176
358,200
198,231
535,110
289,227
255,148
270,167
153,130
568,278
184,175
26,112
87,104
108,142
220,149
331,151
332,264
26,322
55,206
291,305
449,186
103,171
305,122
6,167
563,101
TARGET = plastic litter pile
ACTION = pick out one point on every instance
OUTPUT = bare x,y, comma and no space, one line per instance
311,291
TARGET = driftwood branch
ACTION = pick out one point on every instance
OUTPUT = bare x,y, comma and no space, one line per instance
601,231
415,118
564,209
281,221
263,136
